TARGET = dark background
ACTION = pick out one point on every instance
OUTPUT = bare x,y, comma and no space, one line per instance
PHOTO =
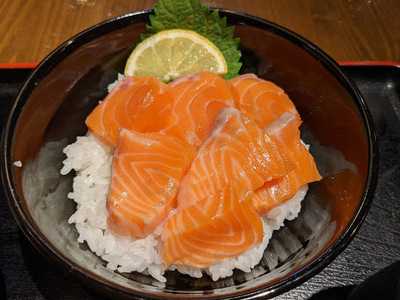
26,275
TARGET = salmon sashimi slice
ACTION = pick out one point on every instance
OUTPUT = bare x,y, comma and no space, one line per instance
236,152
198,100
219,227
137,103
286,133
262,100
146,172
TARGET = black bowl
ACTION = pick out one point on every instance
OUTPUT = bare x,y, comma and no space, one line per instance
50,110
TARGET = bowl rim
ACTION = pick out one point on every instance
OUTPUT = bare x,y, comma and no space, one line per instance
41,243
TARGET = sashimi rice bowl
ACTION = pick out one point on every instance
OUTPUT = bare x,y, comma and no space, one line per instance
142,198
185,160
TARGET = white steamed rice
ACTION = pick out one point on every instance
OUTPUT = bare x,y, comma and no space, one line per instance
92,162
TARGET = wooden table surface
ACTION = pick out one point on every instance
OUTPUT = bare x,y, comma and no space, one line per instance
345,29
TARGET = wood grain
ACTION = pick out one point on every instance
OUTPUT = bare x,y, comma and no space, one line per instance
345,29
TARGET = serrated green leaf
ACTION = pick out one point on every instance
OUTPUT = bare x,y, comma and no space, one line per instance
192,15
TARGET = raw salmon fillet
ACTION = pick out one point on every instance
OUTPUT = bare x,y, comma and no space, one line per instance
218,227
198,99
262,100
146,171
236,152
202,159
137,103
286,134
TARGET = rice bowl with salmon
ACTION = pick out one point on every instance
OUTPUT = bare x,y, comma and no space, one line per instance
73,221
193,175
187,165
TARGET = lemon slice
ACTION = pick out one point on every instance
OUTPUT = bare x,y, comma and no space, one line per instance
170,54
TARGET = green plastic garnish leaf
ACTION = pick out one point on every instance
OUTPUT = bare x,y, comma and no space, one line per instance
192,15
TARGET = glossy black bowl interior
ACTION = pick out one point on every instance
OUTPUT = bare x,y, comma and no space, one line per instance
51,108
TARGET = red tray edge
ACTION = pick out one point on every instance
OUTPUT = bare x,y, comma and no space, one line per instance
378,63
392,63
27,65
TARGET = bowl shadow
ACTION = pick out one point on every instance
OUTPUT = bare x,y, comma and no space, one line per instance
53,283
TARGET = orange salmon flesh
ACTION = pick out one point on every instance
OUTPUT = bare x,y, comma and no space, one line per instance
200,160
